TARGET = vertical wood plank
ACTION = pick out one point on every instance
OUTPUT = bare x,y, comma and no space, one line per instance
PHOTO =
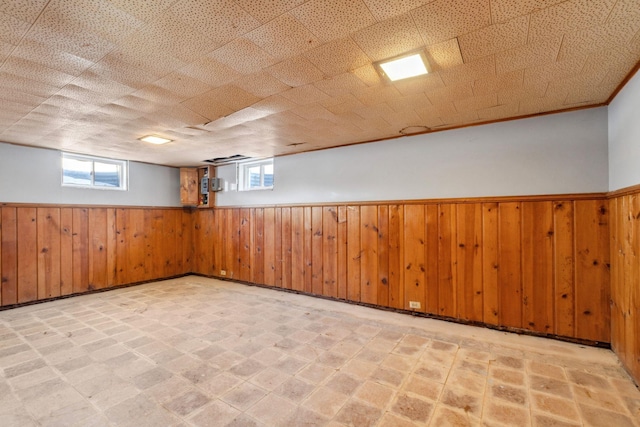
1,277
80,250
257,266
469,262
509,270
297,249
48,252
431,264
395,247
245,245
111,245
233,251
592,267
330,251
66,251
369,251
286,249
414,256
447,298
97,227
137,246
9,256
269,245
341,281
564,271
490,264
308,250
27,254
537,266
353,253
383,256
220,216
316,250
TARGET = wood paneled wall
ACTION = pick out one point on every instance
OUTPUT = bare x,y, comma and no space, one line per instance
539,265
625,280
48,251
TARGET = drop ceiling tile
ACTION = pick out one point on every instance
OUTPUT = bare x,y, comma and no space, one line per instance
25,10
22,84
409,102
587,95
494,84
12,29
220,20
175,116
243,56
261,84
446,19
476,103
36,72
266,10
374,111
504,10
313,112
554,71
376,95
114,67
207,106
210,72
233,97
171,37
182,85
275,104
86,96
499,112
385,9
339,85
145,10
84,44
460,119
305,95
368,75
157,95
444,55
494,38
331,19
540,52
136,103
343,104
56,59
472,70
386,39
283,37
450,93
419,84
119,111
297,71
624,20
568,16
430,116
337,57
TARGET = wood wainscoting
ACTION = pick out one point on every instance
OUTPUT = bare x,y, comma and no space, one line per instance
539,264
625,278
52,251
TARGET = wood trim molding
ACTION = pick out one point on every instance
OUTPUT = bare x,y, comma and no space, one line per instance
624,191
57,205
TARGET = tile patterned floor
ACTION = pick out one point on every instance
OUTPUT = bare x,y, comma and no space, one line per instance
202,352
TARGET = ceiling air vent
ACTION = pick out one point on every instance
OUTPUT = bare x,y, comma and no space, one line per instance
219,161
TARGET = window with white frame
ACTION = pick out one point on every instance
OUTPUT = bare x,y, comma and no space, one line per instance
94,172
256,175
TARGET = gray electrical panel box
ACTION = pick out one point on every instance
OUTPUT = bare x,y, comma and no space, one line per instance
216,184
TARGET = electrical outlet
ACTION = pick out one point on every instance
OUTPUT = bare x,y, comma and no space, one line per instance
223,272
414,304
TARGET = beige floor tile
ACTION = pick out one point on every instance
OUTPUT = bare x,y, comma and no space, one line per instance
198,352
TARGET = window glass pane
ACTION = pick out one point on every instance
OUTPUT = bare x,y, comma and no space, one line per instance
254,176
107,175
268,175
76,172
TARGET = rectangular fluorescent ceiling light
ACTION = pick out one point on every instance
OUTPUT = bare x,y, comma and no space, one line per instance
152,139
405,67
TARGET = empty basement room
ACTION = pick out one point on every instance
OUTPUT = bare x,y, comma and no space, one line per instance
319,213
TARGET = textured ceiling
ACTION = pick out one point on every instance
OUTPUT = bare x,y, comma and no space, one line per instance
267,77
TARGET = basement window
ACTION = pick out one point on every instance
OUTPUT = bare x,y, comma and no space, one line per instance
94,172
256,175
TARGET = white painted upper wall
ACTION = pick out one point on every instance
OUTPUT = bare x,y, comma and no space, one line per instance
624,136
552,154
33,175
